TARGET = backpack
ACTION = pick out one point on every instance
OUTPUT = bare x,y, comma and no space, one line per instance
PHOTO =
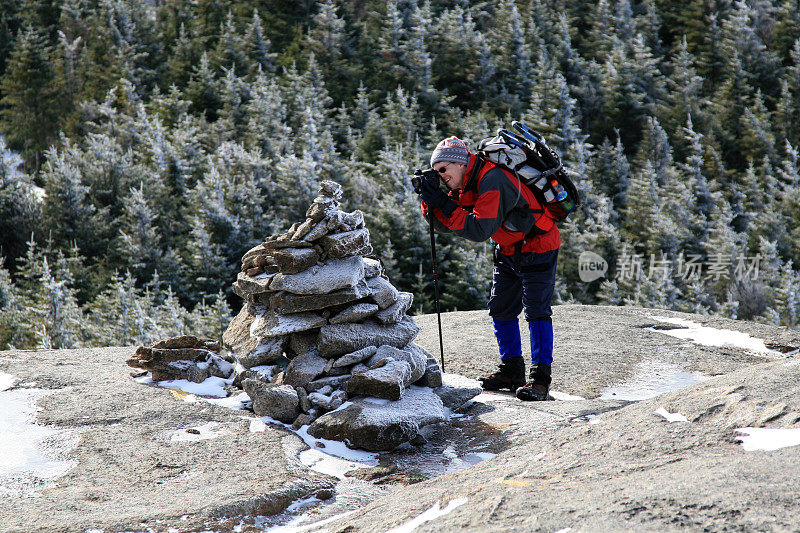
536,165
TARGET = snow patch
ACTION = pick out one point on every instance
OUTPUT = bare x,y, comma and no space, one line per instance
563,396
6,381
714,337
31,454
670,417
211,386
431,514
768,438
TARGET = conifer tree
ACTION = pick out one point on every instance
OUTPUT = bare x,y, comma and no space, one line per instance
29,112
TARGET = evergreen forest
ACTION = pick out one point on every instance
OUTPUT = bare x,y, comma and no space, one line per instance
146,145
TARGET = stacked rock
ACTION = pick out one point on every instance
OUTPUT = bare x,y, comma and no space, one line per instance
324,318
183,357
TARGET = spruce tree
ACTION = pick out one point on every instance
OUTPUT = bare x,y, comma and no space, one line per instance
30,102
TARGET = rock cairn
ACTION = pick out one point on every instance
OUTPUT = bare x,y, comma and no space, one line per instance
183,357
322,325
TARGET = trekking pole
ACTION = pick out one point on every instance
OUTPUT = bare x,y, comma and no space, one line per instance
436,288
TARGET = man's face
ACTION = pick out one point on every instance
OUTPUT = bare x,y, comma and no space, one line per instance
452,174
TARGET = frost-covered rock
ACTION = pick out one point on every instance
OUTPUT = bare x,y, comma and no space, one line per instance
433,375
355,313
336,339
303,369
275,401
328,381
347,244
321,279
457,390
264,350
415,358
372,267
396,311
383,293
388,380
294,260
380,425
355,357
245,285
287,302
272,324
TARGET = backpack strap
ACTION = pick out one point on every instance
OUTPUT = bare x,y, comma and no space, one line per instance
472,180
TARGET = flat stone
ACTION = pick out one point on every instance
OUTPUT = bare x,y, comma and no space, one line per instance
246,286
338,339
264,350
272,324
320,279
381,426
411,354
457,390
286,243
355,313
303,369
356,357
181,341
372,267
294,260
286,302
275,401
383,293
388,380
346,244
393,313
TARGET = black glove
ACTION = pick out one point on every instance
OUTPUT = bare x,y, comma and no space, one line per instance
432,195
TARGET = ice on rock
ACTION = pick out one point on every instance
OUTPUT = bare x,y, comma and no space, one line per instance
346,244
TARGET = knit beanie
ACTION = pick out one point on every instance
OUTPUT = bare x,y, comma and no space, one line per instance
451,149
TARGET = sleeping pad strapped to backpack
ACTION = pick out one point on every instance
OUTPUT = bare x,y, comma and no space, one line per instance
535,165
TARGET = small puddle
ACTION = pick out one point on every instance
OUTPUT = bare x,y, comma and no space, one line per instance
651,378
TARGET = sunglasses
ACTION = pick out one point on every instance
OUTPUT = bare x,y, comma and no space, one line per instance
441,170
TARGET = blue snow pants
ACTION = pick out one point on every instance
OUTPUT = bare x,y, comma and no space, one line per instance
524,281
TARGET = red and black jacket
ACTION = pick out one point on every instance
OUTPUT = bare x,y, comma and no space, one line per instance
494,204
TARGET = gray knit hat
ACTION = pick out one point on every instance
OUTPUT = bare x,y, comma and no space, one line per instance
451,149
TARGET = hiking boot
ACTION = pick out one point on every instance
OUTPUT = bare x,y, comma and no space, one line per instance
538,386
510,375
534,392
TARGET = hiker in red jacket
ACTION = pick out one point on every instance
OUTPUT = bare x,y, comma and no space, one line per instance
487,201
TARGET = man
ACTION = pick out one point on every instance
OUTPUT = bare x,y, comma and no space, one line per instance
488,201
